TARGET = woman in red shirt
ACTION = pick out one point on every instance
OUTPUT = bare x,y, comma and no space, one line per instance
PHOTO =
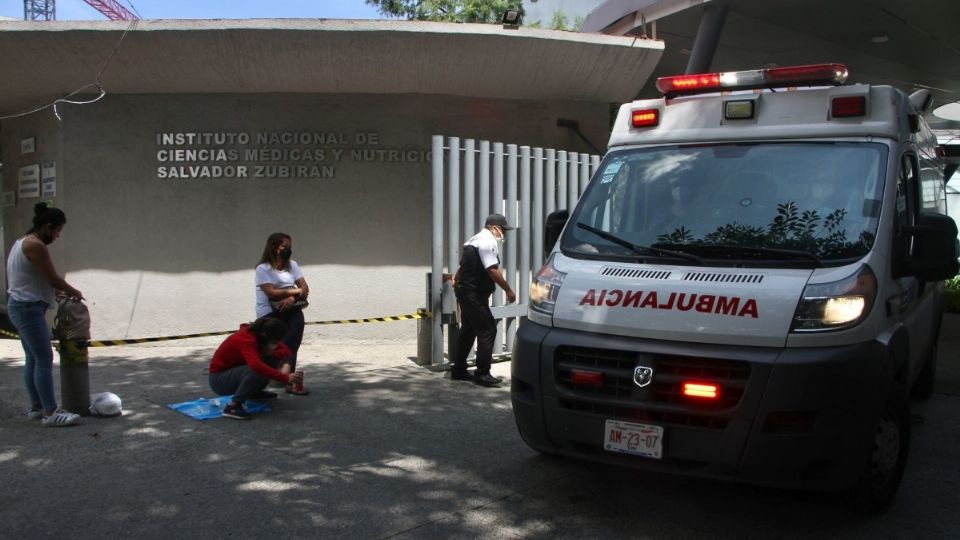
247,360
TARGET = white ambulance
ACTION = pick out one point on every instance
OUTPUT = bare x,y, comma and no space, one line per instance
749,288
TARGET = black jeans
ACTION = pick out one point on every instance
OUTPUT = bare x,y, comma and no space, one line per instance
242,382
294,336
476,323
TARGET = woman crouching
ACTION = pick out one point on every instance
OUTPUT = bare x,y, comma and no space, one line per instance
249,359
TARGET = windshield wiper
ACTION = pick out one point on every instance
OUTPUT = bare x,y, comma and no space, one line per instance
636,248
745,249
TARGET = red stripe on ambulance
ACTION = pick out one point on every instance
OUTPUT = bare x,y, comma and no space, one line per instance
704,303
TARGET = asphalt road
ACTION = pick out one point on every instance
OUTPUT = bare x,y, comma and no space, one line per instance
385,448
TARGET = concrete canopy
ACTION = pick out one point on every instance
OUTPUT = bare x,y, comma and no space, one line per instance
908,45
43,61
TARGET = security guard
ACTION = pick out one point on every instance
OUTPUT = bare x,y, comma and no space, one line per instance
474,282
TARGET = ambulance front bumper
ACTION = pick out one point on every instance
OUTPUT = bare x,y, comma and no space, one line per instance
798,418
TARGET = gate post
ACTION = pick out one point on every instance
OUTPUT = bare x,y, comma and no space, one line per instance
436,276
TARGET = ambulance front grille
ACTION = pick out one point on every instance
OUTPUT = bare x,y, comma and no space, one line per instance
634,414
722,277
670,372
634,273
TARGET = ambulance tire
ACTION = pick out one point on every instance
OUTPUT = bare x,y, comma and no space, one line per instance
881,477
923,386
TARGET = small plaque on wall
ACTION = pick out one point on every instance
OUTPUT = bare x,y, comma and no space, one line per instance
48,179
28,145
48,170
9,198
28,185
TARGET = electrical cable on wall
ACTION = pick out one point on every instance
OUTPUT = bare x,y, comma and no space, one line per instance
95,84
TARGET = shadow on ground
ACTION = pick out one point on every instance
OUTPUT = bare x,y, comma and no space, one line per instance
383,448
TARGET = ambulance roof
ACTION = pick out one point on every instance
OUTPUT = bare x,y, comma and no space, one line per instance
778,115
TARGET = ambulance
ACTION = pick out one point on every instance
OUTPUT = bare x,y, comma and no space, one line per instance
749,288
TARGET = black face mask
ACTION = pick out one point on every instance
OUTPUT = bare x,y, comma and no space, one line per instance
286,253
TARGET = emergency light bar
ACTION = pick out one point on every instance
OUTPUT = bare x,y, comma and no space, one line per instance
811,75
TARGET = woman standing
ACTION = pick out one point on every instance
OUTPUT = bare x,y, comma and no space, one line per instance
33,282
282,292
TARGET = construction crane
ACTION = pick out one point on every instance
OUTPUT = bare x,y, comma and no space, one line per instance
46,10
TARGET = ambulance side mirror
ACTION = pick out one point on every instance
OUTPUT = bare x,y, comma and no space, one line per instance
935,247
556,221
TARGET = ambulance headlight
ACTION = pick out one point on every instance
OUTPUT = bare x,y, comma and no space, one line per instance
837,305
545,288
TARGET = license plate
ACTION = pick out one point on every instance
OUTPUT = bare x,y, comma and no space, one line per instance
635,439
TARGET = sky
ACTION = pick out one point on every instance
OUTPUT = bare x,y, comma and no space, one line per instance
77,10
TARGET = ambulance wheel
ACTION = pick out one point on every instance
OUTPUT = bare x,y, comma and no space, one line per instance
888,457
923,386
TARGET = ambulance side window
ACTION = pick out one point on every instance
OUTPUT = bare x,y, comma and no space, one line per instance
932,186
906,211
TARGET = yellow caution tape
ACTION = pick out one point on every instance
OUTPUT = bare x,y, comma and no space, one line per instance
115,342
9,334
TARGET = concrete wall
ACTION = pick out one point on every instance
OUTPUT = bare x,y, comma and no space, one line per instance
157,256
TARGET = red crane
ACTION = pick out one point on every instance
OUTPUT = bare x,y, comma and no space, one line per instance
46,10
113,10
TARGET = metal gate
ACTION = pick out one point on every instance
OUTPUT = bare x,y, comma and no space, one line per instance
472,179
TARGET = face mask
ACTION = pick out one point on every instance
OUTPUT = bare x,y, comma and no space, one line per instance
286,253
499,236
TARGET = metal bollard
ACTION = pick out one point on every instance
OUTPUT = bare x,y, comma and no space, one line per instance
74,376
424,338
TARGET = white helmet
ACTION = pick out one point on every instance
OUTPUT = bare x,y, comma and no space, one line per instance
105,404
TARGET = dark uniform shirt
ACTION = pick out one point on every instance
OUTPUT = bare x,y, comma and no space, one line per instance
478,254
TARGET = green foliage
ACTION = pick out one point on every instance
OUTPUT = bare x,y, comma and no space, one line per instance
953,283
951,295
790,229
467,11
559,21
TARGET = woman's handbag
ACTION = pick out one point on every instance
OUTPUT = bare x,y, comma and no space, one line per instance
299,304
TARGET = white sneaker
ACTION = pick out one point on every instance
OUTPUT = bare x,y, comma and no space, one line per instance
61,418
35,414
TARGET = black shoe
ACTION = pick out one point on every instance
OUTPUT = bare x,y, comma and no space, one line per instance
460,376
263,395
485,380
236,411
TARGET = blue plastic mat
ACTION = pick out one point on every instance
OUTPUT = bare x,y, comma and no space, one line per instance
208,409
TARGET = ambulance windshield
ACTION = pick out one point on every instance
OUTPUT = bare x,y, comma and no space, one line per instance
793,202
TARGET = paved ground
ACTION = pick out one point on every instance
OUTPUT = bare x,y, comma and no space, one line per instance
386,448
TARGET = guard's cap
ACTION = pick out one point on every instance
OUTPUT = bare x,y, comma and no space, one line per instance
499,220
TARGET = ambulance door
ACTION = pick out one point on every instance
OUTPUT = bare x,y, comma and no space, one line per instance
916,300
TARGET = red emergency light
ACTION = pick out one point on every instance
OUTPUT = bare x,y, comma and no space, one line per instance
645,118
847,106
701,390
810,75
582,377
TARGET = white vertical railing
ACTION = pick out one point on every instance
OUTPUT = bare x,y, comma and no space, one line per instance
472,179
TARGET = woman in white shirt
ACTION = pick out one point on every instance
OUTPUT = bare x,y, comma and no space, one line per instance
32,284
282,292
